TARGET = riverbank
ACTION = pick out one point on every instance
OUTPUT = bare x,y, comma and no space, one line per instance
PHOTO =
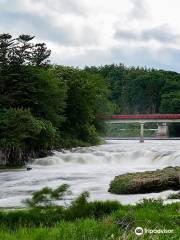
94,220
17,158
25,157
4,167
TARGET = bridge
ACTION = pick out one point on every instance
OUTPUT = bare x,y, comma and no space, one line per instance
160,119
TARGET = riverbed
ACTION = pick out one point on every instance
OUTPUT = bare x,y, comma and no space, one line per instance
90,169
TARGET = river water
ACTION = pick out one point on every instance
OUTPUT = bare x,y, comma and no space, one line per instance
90,169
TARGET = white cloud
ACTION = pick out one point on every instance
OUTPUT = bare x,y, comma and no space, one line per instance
162,34
87,32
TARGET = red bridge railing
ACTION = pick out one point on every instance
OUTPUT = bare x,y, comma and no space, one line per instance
143,116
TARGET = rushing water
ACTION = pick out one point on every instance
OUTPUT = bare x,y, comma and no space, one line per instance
90,169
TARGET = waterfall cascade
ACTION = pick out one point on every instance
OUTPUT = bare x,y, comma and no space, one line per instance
90,169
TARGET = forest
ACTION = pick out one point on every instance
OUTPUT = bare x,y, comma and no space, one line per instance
45,106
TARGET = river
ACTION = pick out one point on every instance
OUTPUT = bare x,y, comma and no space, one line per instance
90,169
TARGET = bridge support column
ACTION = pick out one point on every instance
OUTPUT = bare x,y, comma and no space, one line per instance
162,130
142,133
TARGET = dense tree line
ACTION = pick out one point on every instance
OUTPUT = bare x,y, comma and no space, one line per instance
142,91
43,107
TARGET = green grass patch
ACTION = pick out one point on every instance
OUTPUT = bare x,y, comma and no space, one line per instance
84,220
96,221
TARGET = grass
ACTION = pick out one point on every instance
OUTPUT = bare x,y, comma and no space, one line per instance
92,221
80,229
49,216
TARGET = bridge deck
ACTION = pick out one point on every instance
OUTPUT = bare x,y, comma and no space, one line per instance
144,116
161,119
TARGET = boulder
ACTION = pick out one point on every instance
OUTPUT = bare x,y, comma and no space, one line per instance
146,182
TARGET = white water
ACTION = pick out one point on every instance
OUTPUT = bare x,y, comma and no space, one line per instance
90,169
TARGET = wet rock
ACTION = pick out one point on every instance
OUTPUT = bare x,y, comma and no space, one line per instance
146,182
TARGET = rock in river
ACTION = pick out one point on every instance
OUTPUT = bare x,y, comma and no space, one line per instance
146,182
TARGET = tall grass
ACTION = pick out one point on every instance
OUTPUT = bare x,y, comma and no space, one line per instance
50,216
86,229
84,220
94,221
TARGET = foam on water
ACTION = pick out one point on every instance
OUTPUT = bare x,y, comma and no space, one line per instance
90,169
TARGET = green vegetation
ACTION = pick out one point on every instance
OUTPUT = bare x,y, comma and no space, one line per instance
46,196
91,220
42,210
82,219
141,90
86,100
43,107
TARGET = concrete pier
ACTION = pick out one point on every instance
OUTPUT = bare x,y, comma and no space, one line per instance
162,130
142,133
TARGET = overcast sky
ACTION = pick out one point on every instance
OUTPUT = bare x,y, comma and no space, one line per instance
98,32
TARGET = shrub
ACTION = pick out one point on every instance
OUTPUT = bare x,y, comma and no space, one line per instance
46,196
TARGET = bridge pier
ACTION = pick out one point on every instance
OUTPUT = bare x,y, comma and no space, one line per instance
162,130
142,133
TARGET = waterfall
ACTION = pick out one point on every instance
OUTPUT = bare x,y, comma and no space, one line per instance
90,169
116,154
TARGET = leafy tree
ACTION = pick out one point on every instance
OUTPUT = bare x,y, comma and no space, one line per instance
40,55
86,101
6,43
20,50
133,90
170,97
18,126
170,103
32,99
22,135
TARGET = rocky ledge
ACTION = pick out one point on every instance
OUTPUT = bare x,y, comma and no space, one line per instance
146,182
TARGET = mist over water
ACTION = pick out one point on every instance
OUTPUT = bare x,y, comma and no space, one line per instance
90,169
